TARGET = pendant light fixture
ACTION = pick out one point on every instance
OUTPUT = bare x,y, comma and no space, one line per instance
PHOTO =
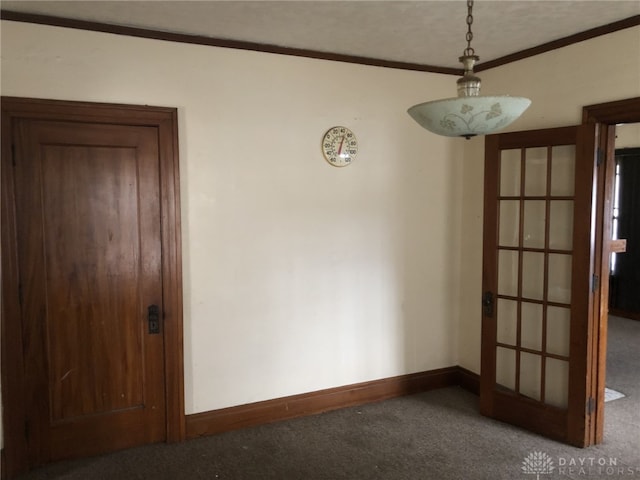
469,113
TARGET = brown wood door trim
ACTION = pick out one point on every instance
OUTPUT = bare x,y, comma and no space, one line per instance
584,226
608,114
489,268
165,120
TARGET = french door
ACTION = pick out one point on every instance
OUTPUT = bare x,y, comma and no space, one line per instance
538,280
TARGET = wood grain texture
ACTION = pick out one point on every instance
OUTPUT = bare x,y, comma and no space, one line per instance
163,123
89,259
167,124
582,308
13,387
93,279
605,178
489,272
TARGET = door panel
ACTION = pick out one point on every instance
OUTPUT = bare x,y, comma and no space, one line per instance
537,269
89,258
99,264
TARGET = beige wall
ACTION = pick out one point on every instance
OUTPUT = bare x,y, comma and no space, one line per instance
298,275
628,136
559,83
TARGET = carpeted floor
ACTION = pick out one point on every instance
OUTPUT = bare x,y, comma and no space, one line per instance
434,435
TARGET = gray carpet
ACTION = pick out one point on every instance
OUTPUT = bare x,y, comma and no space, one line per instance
434,435
622,416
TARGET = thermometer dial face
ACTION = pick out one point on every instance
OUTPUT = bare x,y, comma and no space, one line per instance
339,146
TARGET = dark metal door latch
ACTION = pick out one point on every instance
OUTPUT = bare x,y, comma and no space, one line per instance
487,304
154,319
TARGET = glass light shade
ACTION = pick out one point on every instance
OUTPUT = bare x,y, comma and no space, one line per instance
469,116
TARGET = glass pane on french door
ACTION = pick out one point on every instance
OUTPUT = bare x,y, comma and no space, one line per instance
533,301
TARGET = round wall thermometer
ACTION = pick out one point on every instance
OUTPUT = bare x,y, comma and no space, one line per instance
339,146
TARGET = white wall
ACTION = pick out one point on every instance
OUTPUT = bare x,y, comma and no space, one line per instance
628,135
298,275
559,83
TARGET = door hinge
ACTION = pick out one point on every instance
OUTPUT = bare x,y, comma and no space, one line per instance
595,283
591,405
20,294
599,157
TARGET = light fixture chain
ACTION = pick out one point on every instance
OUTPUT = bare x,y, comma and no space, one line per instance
469,51
470,113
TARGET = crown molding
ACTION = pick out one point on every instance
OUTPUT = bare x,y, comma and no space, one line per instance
561,42
217,42
299,52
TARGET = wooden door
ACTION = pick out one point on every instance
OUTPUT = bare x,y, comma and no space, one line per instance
538,279
89,263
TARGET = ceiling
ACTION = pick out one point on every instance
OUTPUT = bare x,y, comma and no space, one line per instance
420,32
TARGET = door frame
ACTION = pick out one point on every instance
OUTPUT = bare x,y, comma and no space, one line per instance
607,114
14,454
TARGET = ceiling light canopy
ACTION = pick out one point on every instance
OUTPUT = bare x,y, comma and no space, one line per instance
469,113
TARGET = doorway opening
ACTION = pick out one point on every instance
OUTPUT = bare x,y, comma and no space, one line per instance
623,321
609,115
624,280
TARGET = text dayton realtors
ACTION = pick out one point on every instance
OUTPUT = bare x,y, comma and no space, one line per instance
594,466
